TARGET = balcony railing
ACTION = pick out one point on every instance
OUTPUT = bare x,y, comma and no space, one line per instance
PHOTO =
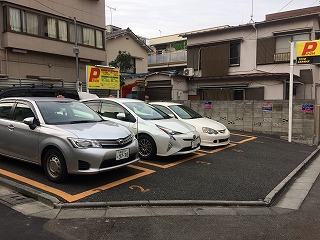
169,57
282,57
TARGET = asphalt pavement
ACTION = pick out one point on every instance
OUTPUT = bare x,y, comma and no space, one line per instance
251,170
282,220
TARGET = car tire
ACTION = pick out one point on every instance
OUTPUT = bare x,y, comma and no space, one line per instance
55,166
147,147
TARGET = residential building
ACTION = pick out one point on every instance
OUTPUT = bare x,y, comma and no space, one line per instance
39,42
169,53
125,40
251,61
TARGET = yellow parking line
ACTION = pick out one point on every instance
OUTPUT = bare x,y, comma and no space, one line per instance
35,184
249,138
69,197
223,148
196,155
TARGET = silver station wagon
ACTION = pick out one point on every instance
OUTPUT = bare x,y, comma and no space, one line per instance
64,136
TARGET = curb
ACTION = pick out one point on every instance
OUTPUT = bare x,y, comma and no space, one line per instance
272,196
30,192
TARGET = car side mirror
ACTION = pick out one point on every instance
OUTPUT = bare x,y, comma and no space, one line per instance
31,122
121,116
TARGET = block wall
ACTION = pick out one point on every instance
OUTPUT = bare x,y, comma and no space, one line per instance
267,117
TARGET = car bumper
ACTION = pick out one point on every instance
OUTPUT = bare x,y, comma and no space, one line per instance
184,144
95,160
212,140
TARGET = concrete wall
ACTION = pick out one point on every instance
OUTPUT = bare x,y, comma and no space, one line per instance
251,116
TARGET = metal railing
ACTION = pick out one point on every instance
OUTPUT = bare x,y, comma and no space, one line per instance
167,57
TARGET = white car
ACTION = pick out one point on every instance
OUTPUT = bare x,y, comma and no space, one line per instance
212,133
157,133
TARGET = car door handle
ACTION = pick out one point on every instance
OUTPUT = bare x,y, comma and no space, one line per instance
11,127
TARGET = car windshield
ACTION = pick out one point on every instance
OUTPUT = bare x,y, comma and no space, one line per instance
185,112
67,112
146,111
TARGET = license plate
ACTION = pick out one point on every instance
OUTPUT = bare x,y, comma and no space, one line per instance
122,153
195,143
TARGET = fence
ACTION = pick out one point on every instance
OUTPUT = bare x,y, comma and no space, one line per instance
267,117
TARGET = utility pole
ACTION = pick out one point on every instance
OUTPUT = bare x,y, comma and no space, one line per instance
76,51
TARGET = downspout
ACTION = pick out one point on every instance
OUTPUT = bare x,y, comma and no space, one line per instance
317,117
7,68
256,46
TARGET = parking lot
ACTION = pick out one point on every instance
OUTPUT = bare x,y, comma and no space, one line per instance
248,169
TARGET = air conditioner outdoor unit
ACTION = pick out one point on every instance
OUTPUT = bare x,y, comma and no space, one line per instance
188,72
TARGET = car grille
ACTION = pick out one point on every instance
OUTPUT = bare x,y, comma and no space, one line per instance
113,162
188,148
116,143
224,140
222,131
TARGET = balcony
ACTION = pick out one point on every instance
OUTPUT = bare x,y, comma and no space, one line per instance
168,57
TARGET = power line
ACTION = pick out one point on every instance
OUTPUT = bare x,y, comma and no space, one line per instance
285,5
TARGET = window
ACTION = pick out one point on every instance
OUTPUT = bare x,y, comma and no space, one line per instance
111,110
31,25
5,109
71,33
15,19
21,20
88,36
94,105
21,112
63,30
52,27
234,53
283,42
133,68
99,39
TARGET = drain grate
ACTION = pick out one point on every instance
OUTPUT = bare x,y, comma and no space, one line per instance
15,199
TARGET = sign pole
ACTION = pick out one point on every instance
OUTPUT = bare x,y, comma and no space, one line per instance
290,92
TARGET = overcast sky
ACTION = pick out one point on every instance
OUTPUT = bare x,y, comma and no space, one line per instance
150,18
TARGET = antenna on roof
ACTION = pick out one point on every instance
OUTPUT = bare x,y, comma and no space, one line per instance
111,9
251,20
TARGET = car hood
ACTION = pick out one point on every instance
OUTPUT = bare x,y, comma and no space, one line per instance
174,124
205,122
99,130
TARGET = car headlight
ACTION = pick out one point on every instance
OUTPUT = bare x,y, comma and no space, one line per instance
84,143
209,130
169,131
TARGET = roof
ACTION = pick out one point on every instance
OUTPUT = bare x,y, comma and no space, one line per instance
298,13
165,39
122,32
166,103
204,30
246,76
119,100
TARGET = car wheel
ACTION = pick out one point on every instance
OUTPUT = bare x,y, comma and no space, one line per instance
147,147
55,166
